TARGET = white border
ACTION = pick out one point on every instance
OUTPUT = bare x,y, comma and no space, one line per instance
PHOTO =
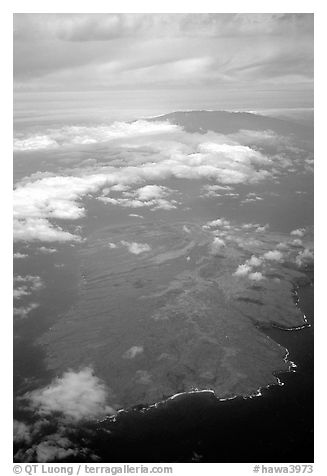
168,6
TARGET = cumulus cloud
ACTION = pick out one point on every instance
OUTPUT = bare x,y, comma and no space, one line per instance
254,261
282,246
136,248
150,192
27,285
214,190
19,255
84,135
39,443
298,232
40,229
296,242
136,215
34,143
23,311
47,251
133,352
219,222
274,255
55,447
257,276
242,270
216,245
21,432
260,229
75,395
304,258
152,196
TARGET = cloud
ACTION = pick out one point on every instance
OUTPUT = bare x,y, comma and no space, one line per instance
88,135
296,242
273,256
262,228
20,255
298,232
282,246
257,276
112,245
242,270
152,196
133,352
151,192
214,190
219,222
52,447
29,284
216,245
21,432
304,258
23,311
136,248
147,152
34,143
254,261
40,229
47,251
55,447
236,52
75,395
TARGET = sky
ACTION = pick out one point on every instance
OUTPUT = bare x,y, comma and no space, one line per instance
162,62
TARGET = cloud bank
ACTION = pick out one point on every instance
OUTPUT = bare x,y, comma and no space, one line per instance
152,152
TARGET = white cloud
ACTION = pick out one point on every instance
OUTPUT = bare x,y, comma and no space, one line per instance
112,245
23,311
152,196
84,135
274,255
20,255
76,395
136,215
214,190
254,261
262,228
136,248
216,245
40,229
55,447
298,232
133,352
296,242
34,143
151,192
248,226
167,151
21,432
219,222
304,258
282,246
257,276
47,251
28,284
242,270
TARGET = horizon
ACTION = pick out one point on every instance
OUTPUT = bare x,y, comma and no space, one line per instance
131,65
